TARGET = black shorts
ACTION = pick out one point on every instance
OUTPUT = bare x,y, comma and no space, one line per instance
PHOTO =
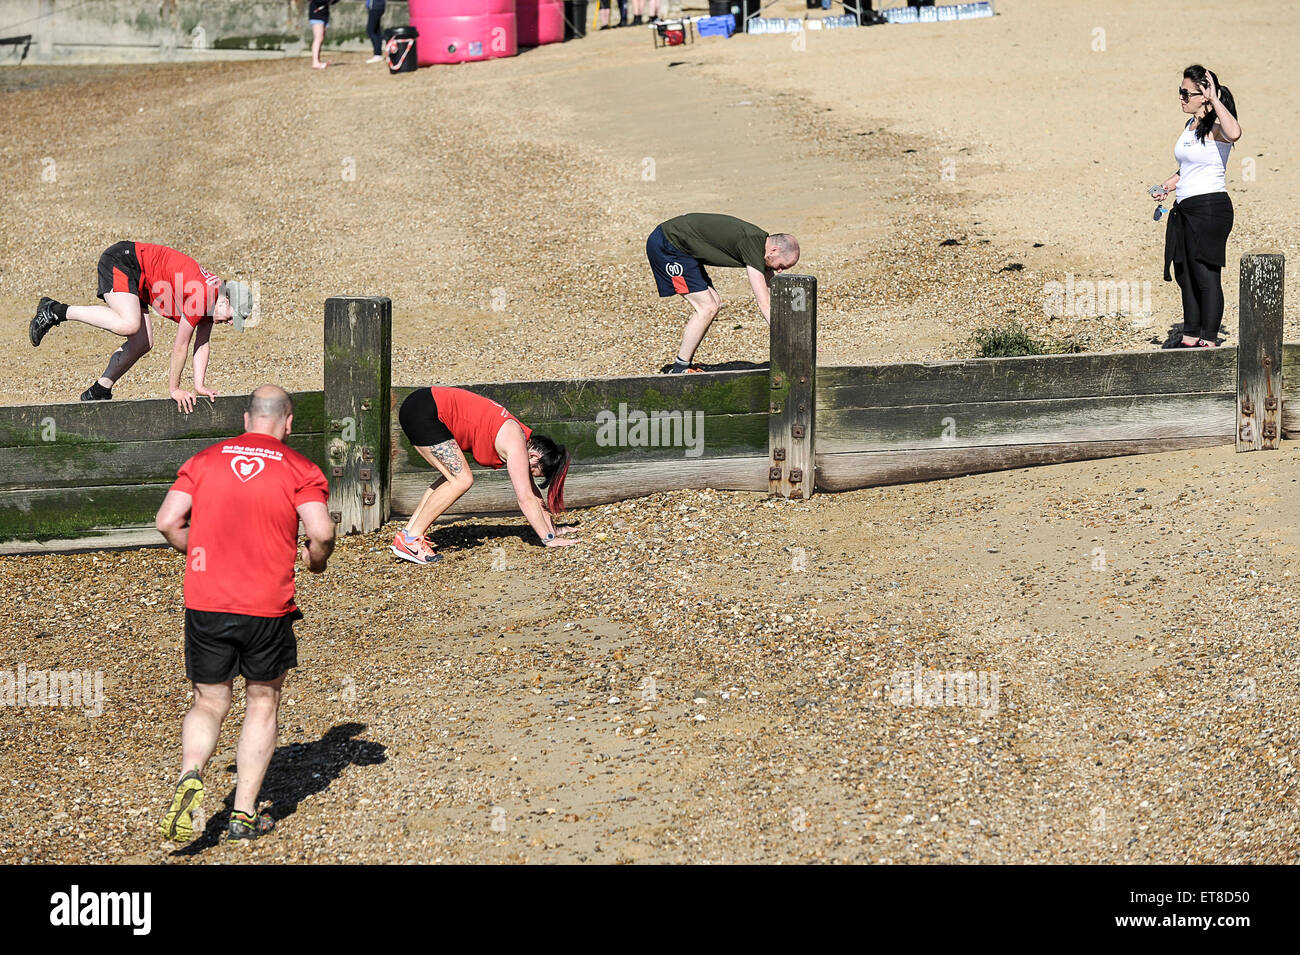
219,646
675,272
418,417
119,271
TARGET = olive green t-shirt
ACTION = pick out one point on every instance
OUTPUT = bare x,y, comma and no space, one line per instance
718,240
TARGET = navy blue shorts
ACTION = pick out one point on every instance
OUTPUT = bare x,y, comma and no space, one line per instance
675,272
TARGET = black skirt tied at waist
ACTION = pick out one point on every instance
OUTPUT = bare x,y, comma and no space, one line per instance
1198,230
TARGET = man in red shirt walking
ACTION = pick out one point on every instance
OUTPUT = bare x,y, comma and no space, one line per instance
234,513
134,276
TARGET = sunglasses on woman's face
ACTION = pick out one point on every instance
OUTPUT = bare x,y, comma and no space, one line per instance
1187,94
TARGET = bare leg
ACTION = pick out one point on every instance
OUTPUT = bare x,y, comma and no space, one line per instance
256,740
456,479
706,305
133,349
121,315
317,39
202,724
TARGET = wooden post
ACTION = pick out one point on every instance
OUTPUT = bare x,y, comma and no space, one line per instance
358,410
1259,353
793,349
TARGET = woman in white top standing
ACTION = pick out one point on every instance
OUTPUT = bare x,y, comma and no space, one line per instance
1196,236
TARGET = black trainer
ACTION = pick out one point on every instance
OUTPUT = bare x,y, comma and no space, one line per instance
97,392
45,320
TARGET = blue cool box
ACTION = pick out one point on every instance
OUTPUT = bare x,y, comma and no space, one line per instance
717,26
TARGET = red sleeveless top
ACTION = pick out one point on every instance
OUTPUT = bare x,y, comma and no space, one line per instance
474,422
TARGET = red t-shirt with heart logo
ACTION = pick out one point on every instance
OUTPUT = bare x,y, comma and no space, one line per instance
243,541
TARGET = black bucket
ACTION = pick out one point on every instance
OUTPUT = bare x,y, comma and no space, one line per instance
400,49
575,19
741,10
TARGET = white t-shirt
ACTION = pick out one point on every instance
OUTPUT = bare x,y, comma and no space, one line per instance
1201,165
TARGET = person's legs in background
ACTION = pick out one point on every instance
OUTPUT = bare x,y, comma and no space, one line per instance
317,39
373,31
1191,305
1206,280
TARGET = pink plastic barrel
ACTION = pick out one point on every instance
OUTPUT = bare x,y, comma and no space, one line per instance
453,31
539,21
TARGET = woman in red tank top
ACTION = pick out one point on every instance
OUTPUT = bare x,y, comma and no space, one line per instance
442,424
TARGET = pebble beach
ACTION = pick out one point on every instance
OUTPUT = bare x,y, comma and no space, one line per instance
1085,663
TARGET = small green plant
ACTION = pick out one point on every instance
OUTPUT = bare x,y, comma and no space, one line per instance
1011,339
1007,341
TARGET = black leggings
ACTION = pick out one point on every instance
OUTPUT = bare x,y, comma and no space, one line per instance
1202,298
372,31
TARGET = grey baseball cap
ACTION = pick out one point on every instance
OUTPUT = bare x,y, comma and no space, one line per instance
241,301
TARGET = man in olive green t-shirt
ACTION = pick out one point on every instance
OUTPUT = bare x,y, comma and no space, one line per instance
680,248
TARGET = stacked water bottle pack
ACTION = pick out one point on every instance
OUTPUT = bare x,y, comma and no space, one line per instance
795,25
773,25
956,11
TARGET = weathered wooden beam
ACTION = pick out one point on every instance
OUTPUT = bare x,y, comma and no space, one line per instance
719,392
594,484
149,419
1290,389
687,435
358,410
1259,353
1058,421
792,383
1027,378
122,538
852,470
70,512
98,463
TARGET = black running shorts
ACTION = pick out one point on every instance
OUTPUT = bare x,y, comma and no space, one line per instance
220,646
119,271
418,417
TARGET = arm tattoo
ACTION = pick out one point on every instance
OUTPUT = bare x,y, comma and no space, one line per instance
449,454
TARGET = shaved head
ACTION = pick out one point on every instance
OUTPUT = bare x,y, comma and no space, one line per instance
782,251
270,411
270,402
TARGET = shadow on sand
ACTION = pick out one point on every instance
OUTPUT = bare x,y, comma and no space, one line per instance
723,366
1175,335
297,770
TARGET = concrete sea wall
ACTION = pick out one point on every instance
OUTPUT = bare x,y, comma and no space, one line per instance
125,31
